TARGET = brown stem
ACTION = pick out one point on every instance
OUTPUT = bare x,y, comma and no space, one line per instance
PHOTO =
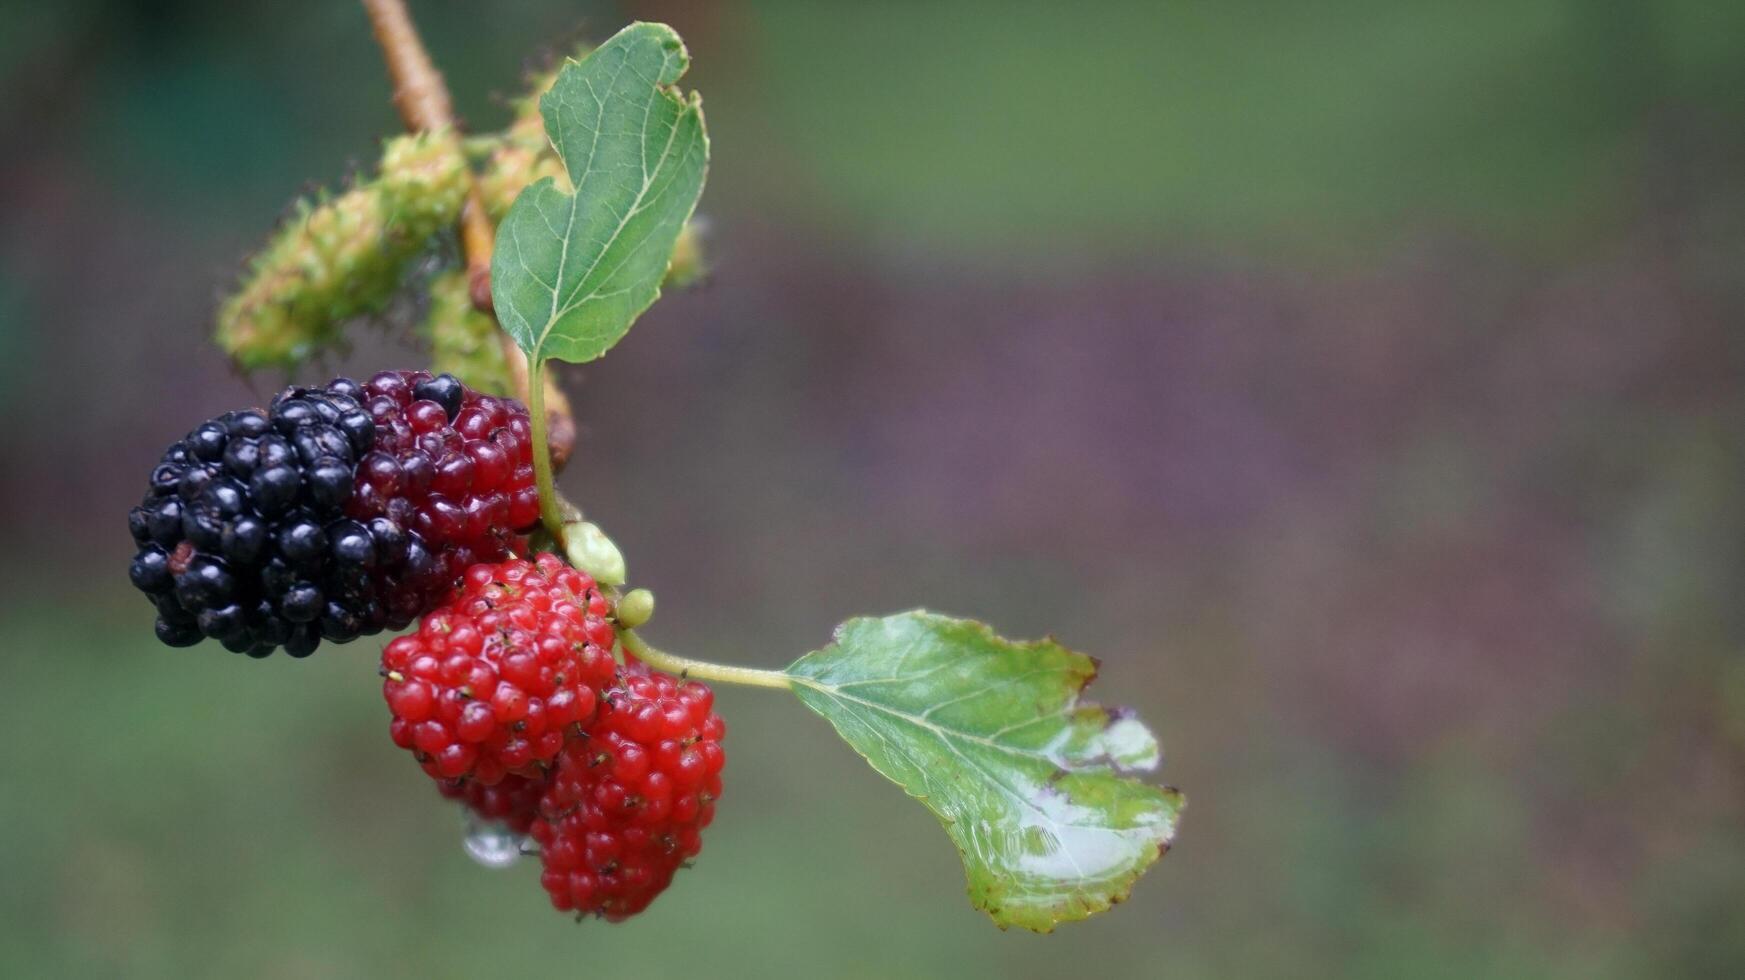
419,91
422,98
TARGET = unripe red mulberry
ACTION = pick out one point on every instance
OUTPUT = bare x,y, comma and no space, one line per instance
628,803
496,679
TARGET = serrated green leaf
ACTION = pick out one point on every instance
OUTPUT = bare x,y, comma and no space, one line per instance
573,270
1030,783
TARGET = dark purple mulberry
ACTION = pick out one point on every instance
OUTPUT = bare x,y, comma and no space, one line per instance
338,512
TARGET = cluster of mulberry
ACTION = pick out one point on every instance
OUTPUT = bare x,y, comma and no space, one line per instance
509,696
348,509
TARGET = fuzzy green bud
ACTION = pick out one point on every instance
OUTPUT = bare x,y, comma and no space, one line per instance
686,266
343,256
463,341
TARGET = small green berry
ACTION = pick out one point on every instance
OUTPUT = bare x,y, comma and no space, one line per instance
636,608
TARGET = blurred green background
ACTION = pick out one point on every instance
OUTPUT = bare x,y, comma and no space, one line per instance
1361,381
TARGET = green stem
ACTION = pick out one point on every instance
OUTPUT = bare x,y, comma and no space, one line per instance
699,669
548,510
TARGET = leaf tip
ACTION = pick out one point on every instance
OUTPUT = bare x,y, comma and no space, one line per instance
669,42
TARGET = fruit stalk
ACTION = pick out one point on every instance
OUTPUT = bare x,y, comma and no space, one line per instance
701,669
549,514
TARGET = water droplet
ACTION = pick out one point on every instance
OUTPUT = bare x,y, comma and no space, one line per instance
492,844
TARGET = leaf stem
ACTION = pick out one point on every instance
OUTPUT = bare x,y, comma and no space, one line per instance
549,514
701,669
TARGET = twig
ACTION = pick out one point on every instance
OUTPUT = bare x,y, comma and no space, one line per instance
419,91
422,98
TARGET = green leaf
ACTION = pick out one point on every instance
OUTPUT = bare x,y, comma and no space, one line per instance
573,270
1030,783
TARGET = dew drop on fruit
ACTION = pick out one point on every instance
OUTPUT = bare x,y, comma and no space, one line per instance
492,844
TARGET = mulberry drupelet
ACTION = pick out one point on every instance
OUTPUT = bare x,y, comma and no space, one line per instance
513,802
